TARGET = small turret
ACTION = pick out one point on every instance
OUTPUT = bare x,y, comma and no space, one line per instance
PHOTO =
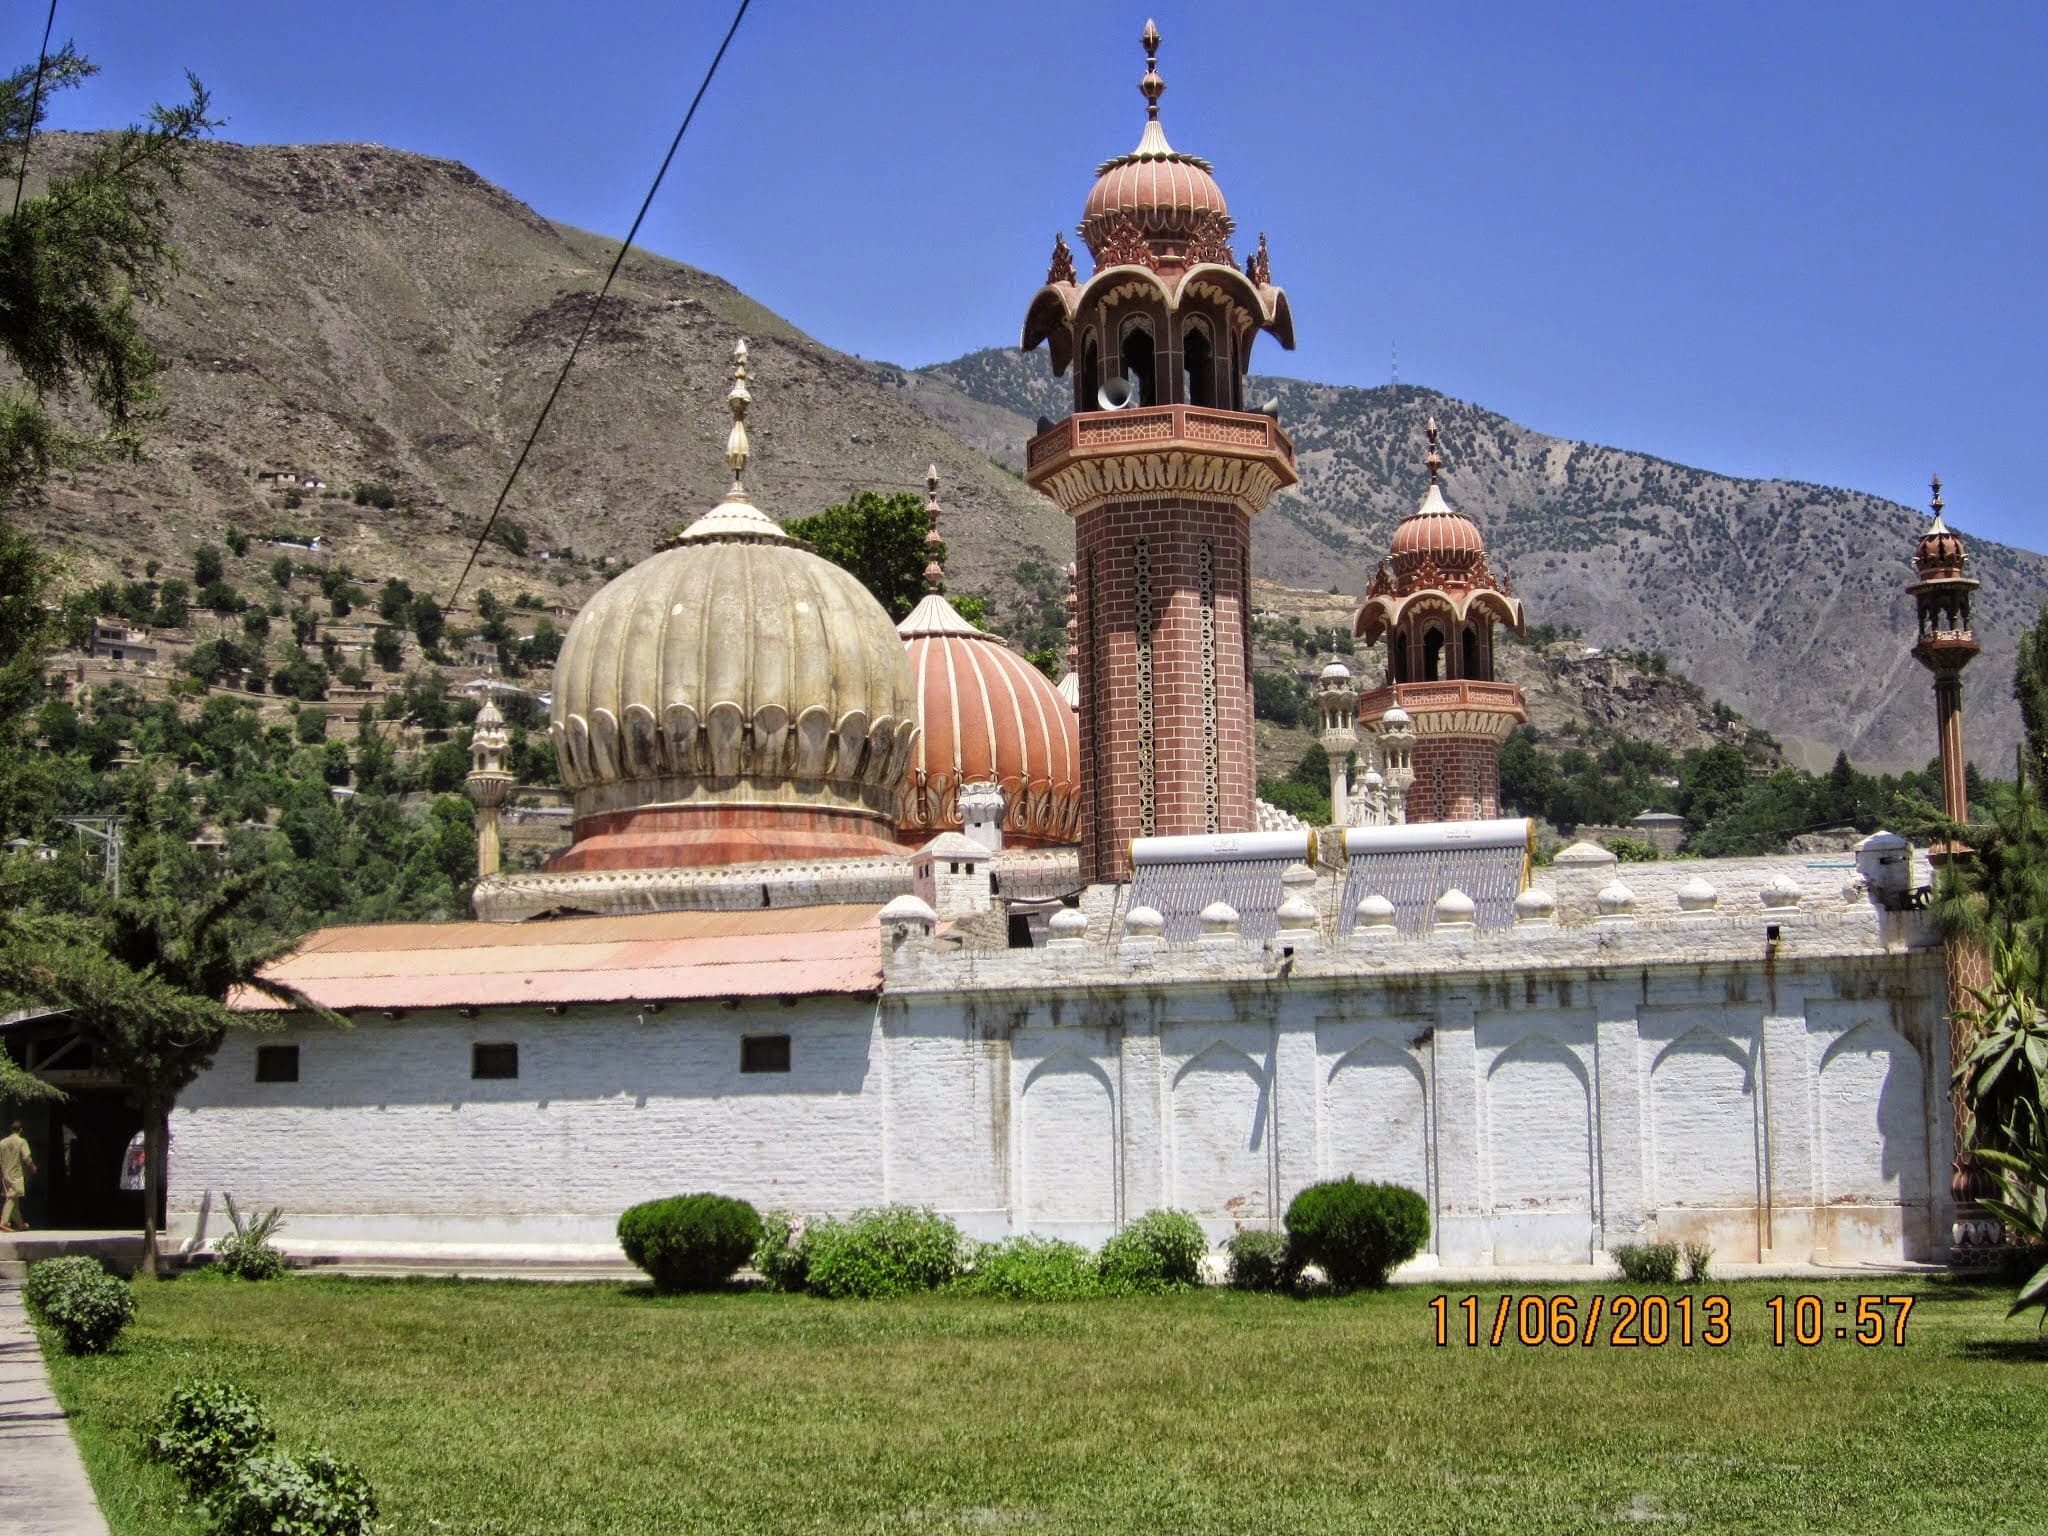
488,782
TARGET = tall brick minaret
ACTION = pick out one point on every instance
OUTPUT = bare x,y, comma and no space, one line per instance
1162,470
1945,644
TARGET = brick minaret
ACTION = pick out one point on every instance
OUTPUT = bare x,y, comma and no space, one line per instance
1437,607
1162,470
1946,644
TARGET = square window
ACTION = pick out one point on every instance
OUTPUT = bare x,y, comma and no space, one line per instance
277,1063
499,1060
764,1053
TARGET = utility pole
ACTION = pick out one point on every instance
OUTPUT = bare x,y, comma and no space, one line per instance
106,831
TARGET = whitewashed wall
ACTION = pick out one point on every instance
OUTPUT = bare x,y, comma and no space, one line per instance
1550,1100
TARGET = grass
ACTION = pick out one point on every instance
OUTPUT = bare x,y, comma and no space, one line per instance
489,1409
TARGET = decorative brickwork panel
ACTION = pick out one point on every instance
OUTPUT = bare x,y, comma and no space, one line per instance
1457,778
1193,614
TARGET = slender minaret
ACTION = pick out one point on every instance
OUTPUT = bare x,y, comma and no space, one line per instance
1946,644
1337,701
488,782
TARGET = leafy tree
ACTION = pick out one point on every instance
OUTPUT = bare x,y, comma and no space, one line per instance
2030,687
281,570
1280,698
387,648
394,602
311,726
76,262
880,539
207,567
173,605
237,542
428,622
1717,779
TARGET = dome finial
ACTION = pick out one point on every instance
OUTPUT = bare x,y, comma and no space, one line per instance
934,546
1434,460
1152,85
737,399
1935,486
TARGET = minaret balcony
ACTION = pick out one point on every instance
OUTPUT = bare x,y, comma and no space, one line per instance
1161,450
1453,706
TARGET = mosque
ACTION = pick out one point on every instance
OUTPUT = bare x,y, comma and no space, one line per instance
861,913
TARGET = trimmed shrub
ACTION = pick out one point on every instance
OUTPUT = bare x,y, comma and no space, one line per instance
209,1429
1356,1233
1698,1256
90,1312
892,1251
1033,1269
1160,1251
47,1277
780,1256
280,1496
690,1242
1648,1263
1260,1261
247,1252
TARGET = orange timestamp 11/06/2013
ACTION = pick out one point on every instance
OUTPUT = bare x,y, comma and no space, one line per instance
1630,1321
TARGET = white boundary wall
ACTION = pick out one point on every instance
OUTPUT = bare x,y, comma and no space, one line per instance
1554,1092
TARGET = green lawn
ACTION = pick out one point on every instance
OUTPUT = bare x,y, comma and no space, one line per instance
485,1409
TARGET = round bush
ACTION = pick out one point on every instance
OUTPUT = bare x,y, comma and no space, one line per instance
1033,1269
690,1242
888,1252
48,1277
315,1497
1356,1233
1158,1252
780,1256
208,1429
1259,1261
1648,1263
91,1312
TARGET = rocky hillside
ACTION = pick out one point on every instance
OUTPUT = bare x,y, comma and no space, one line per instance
353,315
356,316
1783,599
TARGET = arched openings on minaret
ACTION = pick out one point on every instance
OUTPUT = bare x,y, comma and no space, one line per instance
1139,356
1198,362
1432,654
1088,378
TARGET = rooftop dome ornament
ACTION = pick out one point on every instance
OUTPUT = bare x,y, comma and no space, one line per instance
737,399
934,546
1434,461
736,516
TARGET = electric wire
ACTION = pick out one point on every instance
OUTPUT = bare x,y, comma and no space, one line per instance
590,316
35,104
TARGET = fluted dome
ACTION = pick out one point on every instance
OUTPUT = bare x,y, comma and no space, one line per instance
730,699
1433,532
987,716
1155,206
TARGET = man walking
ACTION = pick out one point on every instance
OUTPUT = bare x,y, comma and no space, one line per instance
15,1168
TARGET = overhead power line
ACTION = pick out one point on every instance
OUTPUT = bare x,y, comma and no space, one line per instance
590,316
35,104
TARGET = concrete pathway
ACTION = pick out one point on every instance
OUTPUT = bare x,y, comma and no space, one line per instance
43,1488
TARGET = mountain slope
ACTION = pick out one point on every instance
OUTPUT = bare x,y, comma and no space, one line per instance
1784,599
358,314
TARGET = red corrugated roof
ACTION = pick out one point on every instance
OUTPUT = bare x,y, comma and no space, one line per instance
784,952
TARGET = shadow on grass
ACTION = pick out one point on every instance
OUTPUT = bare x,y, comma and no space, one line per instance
2023,1351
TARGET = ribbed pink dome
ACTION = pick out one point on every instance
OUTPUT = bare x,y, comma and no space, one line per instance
993,718
1434,532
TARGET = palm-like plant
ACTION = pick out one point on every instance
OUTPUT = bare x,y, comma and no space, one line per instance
2005,1077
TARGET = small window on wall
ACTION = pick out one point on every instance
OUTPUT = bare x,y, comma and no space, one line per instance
764,1053
277,1063
493,1061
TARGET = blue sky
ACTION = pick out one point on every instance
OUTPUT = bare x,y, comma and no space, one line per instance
1798,239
